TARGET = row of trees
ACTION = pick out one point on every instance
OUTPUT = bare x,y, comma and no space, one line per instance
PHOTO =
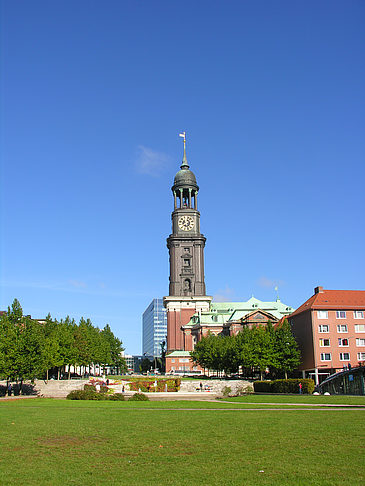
29,349
256,349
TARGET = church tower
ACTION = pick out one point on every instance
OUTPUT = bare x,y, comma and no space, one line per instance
186,249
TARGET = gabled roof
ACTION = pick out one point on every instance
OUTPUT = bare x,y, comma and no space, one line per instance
333,299
263,313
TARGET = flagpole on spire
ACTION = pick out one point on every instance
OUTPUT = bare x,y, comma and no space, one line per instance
185,161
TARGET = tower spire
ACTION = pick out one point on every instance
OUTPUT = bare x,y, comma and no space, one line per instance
184,164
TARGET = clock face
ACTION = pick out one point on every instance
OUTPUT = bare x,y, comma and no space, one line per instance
186,223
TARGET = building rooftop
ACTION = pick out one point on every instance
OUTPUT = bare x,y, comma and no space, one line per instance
333,299
180,354
222,312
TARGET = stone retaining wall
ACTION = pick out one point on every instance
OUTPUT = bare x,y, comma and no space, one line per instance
58,388
217,386
61,388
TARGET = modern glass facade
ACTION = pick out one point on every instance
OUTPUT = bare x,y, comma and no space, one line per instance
154,328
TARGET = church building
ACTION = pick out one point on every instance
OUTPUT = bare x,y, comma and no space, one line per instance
191,314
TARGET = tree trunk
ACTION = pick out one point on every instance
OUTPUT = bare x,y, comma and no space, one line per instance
286,375
47,375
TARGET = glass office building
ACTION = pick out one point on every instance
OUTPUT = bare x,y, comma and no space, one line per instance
154,324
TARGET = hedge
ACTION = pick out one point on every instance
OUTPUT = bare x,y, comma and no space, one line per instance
262,386
284,386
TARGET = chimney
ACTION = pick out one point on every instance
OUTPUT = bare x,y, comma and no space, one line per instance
318,290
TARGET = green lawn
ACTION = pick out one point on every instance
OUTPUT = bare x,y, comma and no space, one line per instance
312,399
59,442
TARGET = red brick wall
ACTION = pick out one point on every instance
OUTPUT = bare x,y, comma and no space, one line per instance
175,364
176,319
333,335
305,327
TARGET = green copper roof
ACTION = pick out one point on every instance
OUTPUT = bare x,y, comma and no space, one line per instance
185,178
185,354
222,312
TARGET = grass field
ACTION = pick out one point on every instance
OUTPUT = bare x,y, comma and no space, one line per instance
59,442
307,399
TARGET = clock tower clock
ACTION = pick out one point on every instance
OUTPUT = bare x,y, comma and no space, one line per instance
186,250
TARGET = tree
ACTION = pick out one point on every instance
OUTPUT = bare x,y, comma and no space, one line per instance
66,333
145,365
286,349
115,349
21,345
162,361
52,355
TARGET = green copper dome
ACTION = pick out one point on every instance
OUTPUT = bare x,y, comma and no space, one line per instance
185,177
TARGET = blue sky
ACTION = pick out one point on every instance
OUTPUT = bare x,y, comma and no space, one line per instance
93,97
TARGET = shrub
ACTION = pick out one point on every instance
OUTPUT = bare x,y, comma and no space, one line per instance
138,397
81,395
241,390
117,397
226,391
90,394
89,387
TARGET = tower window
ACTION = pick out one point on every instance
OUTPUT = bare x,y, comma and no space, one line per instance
186,262
187,250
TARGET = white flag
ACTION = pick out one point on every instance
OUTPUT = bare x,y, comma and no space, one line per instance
182,134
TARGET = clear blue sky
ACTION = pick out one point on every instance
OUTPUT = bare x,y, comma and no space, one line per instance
93,96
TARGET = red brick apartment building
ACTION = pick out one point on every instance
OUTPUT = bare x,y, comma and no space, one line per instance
330,330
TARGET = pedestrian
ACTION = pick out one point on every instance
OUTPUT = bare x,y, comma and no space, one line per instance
300,388
349,366
201,386
97,387
107,382
9,389
123,389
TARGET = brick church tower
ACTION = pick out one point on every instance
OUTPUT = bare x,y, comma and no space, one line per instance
186,249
